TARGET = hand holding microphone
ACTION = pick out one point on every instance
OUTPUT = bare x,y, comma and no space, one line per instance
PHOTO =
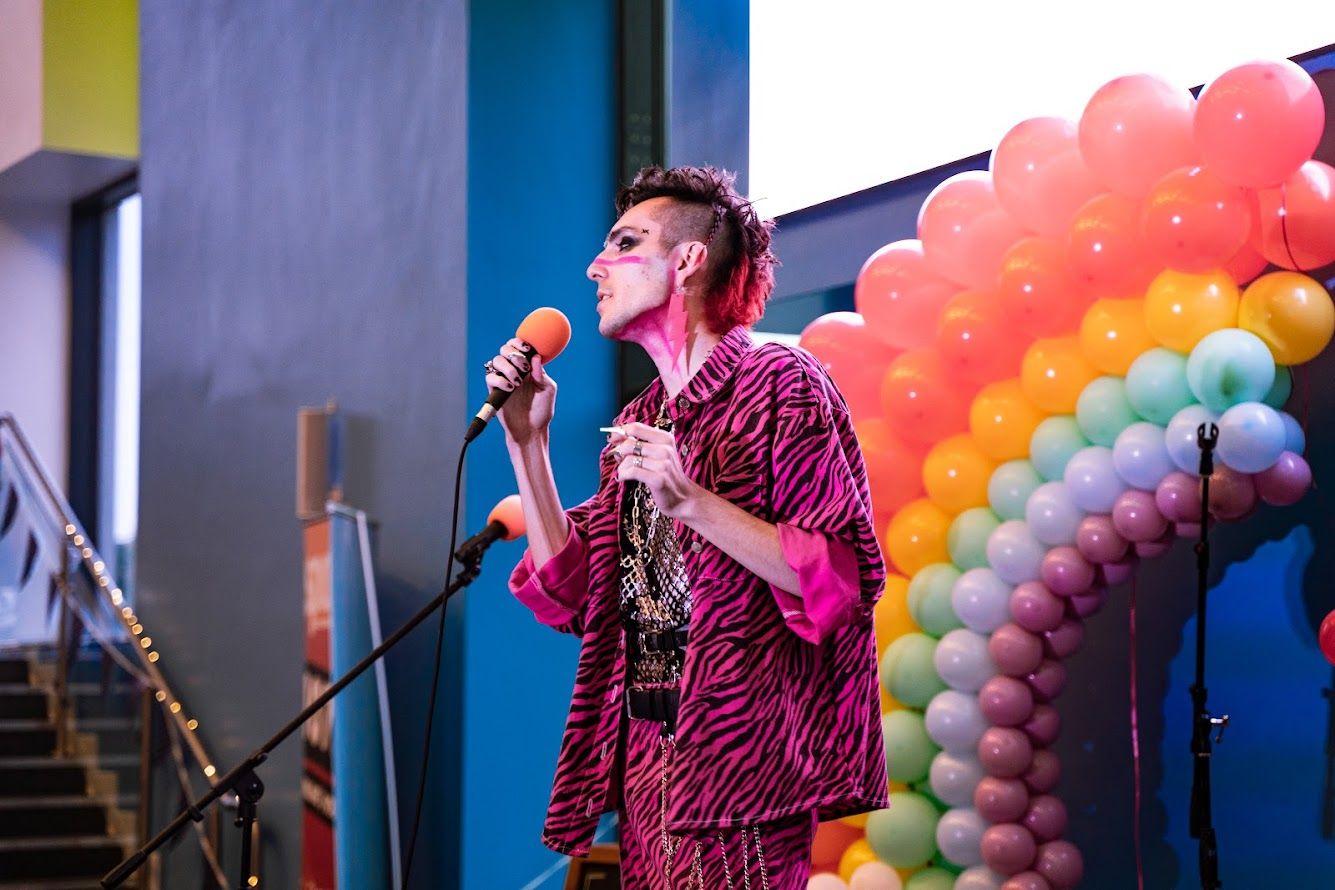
518,369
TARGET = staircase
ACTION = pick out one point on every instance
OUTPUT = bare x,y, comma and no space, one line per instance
66,816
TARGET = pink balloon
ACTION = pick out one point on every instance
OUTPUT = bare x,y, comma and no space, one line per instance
826,881
1159,546
1257,123
900,296
1045,818
1001,800
1005,752
1044,773
1026,880
1098,541
1040,177
1066,572
1008,848
1113,573
1283,484
1036,291
1179,497
1006,701
1082,605
1232,494
1136,517
1297,219
1246,264
1065,639
1061,863
1014,650
965,232
1048,680
1105,250
1043,726
1035,608
1134,130
1195,222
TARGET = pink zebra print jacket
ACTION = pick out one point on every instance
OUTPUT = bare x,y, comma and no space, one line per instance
780,711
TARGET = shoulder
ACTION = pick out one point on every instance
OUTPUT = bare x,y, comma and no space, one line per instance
794,373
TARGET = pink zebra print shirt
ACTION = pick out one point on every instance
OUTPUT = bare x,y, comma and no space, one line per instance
780,712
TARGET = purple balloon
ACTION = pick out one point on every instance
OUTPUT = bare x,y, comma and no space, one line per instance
1043,726
1179,497
1008,848
1026,880
1048,680
1061,864
1035,608
1045,818
1066,572
1113,573
1286,482
1232,494
1137,518
1001,800
1098,541
1006,701
1085,604
1014,650
1005,752
1044,772
1065,638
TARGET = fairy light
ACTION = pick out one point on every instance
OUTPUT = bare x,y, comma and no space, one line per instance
175,707
160,695
209,770
146,642
153,657
87,552
137,629
98,566
126,613
69,529
192,724
116,596
78,540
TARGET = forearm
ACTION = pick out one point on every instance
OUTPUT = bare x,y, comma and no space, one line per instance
548,527
751,541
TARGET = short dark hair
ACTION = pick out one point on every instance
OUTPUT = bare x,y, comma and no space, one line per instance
739,273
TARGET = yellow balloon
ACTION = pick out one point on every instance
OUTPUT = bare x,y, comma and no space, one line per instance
858,853
1291,312
955,474
916,536
1113,335
1054,373
891,616
1181,308
1002,420
858,821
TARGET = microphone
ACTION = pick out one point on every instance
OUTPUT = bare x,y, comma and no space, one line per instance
506,521
546,331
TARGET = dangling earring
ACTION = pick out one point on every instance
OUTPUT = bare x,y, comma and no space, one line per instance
677,321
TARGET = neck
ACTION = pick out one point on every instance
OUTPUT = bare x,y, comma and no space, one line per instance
677,353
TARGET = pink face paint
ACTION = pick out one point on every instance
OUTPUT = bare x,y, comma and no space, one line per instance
619,261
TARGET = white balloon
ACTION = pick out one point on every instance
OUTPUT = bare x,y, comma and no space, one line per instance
954,777
980,877
981,600
962,660
955,721
959,836
1052,516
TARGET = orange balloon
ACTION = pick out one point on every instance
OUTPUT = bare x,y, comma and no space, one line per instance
920,400
916,536
1105,250
976,340
832,839
1113,335
1002,420
1054,373
955,474
1037,292
1297,218
891,617
855,358
892,465
900,296
857,821
858,854
1292,313
1181,308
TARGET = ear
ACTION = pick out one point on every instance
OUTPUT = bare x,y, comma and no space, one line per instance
690,258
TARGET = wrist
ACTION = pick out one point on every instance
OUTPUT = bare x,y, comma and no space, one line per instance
532,443
692,508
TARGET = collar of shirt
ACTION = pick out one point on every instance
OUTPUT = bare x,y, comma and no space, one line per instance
716,370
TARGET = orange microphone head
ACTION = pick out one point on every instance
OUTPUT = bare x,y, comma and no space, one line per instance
547,330
509,512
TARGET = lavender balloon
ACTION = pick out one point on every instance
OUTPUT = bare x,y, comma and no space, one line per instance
959,835
1052,516
1035,608
981,600
1014,553
953,777
1066,572
1092,481
1098,541
955,722
1140,456
1015,651
1251,437
962,661
1295,438
1180,436
1286,482
1179,497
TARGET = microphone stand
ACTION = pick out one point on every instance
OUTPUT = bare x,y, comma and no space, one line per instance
1201,820
242,779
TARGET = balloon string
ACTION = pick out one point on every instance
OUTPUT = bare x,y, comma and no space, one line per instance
1135,742
1284,225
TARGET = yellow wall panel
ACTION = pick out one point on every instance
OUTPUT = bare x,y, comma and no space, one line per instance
90,76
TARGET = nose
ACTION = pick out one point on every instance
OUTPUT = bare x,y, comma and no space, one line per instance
596,271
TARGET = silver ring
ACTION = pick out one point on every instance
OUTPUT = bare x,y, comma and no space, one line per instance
491,369
639,448
639,461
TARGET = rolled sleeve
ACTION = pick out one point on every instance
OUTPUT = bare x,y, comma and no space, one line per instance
557,592
828,580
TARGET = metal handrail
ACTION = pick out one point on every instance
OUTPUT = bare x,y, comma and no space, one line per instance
80,543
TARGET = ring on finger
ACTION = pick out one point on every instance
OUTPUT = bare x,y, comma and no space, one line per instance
639,461
639,449
491,369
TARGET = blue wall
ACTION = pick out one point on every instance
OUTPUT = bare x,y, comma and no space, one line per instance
542,107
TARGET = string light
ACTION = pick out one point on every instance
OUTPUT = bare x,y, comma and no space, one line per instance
175,707
78,540
69,529
153,657
160,695
192,724
137,629
209,770
98,566
126,613
146,642
87,552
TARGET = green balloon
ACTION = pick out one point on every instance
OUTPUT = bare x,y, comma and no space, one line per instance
966,542
1103,410
908,671
1052,444
1156,385
1010,486
908,748
931,879
1282,388
929,598
904,836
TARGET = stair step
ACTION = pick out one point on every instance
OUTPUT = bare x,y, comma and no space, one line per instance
14,670
63,884
26,738
25,859
51,817
23,702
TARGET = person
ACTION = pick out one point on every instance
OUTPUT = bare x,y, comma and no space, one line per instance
723,575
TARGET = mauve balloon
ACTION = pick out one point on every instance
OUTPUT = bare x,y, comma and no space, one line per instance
1179,497
1232,494
1112,573
1045,818
1026,880
1043,726
1189,530
1035,608
1098,541
1048,680
1006,701
1060,862
1136,516
1008,848
1085,604
1286,482
1066,572
1005,752
1015,650
1001,800
1065,638
1044,772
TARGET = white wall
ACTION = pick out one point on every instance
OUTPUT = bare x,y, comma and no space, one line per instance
34,326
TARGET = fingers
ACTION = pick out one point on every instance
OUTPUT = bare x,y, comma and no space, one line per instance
508,367
643,432
647,470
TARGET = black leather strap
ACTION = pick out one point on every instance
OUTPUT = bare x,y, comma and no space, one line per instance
671,640
654,704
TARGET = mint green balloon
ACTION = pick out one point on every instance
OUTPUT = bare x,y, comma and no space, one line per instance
966,539
1053,443
1229,367
908,670
1282,388
1103,410
904,836
929,598
931,879
908,748
1010,486
1156,385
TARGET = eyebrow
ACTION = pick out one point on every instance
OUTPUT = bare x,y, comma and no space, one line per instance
627,230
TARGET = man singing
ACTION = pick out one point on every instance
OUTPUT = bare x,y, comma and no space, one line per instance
722,577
